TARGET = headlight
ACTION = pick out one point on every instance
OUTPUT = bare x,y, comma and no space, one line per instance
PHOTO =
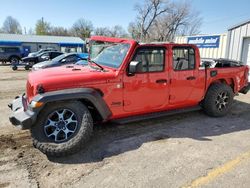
35,104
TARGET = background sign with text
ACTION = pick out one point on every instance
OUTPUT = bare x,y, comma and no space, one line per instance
205,41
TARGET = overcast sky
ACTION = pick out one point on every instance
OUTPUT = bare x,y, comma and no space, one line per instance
218,15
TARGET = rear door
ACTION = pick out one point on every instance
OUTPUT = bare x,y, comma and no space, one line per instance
185,87
147,90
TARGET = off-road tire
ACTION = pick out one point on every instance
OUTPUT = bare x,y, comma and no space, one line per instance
78,139
210,103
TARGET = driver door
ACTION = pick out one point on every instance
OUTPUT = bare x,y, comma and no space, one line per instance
147,89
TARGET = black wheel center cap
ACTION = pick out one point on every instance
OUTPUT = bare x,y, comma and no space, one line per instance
222,101
61,124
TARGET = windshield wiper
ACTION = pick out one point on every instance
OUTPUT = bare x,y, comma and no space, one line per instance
98,65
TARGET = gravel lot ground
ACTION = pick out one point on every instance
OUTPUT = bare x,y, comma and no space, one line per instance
187,150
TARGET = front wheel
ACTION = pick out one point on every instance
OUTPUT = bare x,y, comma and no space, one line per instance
218,100
62,128
27,67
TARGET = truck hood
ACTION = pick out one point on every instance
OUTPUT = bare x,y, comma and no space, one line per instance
65,77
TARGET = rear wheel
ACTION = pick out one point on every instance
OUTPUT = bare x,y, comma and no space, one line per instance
218,100
14,68
62,128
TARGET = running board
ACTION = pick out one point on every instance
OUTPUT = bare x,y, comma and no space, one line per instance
155,115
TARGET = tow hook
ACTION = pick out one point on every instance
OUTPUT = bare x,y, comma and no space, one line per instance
10,106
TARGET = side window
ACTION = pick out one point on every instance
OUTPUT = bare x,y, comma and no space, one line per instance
54,54
45,56
183,58
70,59
11,50
152,59
1,50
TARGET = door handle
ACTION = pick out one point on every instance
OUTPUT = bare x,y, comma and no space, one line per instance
161,81
191,78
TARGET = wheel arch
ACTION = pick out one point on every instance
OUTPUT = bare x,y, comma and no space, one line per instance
228,81
91,98
14,56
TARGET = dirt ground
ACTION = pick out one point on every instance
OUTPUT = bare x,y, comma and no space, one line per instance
187,150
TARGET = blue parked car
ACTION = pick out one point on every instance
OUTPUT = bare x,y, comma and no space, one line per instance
64,59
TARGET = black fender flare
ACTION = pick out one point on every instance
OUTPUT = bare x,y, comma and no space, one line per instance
89,94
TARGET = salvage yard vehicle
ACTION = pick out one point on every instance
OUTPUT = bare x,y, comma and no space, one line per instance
44,56
16,65
64,59
124,81
33,54
10,54
28,62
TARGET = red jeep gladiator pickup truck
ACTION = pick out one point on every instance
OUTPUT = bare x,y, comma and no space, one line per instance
124,80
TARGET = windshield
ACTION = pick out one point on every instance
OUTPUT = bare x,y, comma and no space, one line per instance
108,53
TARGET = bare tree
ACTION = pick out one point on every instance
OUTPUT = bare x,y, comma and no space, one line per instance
31,31
176,18
116,31
82,28
59,31
147,14
102,31
134,30
193,25
12,26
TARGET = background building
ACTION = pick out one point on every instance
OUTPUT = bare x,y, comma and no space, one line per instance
211,46
233,45
238,43
32,43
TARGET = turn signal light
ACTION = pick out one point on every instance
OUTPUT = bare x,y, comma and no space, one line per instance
35,104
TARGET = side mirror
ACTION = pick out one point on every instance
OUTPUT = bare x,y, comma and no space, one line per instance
134,67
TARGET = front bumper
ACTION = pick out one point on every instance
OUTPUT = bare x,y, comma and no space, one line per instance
21,116
245,89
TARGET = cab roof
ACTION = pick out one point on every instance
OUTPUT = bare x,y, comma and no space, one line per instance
112,39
